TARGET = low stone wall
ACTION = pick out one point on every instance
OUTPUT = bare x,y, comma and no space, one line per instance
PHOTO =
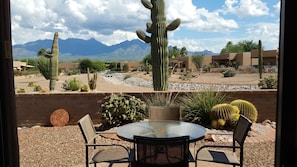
36,109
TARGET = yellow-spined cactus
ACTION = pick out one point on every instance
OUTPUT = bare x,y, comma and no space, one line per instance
214,124
246,108
221,123
233,120
222,111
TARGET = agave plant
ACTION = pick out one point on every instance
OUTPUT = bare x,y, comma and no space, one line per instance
196,106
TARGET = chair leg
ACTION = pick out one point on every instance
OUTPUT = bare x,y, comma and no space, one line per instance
87,157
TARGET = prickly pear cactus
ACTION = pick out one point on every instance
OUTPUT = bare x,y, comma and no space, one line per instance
54,62
159,41
246,108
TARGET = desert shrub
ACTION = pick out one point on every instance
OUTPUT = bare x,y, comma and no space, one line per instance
21,90
120,109
125,68
269,82
84,88
37,88
72,84
186,75
195,106
127,76
32,84
229,73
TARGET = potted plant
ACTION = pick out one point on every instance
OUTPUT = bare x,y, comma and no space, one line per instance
163,106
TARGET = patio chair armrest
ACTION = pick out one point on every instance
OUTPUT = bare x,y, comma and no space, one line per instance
217,146
109,145
214,146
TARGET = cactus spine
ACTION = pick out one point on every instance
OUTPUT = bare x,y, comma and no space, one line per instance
223,111
260,59
159,42
54,62
246,108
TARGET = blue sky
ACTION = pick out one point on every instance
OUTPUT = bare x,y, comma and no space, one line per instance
206,24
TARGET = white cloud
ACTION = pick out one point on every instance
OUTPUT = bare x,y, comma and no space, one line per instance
267,32
114,21
245,8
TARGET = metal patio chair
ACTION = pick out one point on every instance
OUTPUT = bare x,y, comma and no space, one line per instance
160,152
227,154
110,153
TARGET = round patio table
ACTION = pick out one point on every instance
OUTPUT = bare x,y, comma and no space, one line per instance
161,129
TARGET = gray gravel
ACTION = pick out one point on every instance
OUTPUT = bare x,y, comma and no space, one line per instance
118,78
64,147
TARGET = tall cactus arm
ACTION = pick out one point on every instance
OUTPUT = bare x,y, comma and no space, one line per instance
173,25
147,4
54,62
143,37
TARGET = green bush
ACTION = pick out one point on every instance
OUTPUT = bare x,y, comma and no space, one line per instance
196,106
229,73
72,84
269,82
120,109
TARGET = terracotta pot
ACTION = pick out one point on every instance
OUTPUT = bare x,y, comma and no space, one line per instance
163,113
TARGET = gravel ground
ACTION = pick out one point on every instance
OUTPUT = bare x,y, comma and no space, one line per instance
64,147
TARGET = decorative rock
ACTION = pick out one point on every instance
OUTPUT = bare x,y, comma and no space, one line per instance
59,117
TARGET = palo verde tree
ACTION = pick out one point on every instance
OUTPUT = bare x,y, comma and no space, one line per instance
159,41
240,47
198,61
260,59
174,52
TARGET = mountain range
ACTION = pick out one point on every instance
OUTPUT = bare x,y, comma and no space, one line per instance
73,49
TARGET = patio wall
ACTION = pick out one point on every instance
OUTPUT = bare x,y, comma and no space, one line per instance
35,109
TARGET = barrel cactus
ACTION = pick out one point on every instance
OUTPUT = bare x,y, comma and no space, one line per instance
246,108
221,113
233,120
159,41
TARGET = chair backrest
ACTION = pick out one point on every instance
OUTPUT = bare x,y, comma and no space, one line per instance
161,151
86,126
241,129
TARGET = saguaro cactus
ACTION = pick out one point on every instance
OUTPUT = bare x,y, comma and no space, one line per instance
260,59
54,62
159,41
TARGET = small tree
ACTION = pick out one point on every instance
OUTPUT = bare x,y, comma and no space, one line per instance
198,61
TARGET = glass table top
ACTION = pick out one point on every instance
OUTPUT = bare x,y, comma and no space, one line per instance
161,129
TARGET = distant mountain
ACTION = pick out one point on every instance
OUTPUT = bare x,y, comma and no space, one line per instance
73,49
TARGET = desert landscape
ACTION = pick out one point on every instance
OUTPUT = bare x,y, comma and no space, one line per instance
114,82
